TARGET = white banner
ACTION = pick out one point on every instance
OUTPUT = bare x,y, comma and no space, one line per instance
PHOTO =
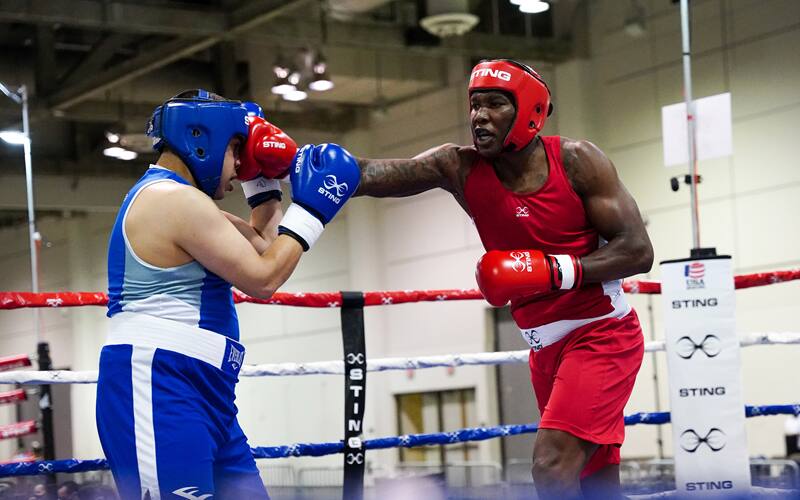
713,132
705,380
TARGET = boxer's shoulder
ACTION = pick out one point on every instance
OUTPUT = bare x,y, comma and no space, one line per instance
584,163
456,161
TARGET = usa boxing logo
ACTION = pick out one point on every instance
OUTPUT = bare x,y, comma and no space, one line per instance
694,274
686,347
691,440
519,265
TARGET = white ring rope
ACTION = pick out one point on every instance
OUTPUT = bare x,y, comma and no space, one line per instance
373,365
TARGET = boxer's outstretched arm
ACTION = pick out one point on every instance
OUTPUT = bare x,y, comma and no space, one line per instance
612,210
439,167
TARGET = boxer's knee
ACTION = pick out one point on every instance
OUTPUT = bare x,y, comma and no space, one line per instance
555,467
558,459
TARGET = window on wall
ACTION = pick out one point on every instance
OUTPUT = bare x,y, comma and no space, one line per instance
424,412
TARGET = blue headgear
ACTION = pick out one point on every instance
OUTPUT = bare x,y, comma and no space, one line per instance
198,129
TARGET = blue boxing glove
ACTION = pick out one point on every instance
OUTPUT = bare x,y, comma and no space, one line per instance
323,179
253,109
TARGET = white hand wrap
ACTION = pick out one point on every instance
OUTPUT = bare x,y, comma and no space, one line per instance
259,185
299,221
567,271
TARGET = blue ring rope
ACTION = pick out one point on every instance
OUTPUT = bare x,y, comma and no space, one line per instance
409,441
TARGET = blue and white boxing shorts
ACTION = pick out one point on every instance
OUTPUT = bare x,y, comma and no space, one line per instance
166,414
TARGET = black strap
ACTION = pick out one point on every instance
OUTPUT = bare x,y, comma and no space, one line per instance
288,232
264,196
46,407
355,394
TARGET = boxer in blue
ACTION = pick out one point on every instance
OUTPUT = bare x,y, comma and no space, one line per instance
165,394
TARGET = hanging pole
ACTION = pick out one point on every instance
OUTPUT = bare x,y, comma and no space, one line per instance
691,123
32,233
20,96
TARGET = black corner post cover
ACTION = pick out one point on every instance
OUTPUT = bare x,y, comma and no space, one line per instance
46,406
355,385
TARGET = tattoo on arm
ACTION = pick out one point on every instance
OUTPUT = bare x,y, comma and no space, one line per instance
384,178
437,167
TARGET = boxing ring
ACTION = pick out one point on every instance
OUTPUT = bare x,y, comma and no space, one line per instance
351,304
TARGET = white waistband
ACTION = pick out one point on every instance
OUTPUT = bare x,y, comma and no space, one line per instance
550,333
143,330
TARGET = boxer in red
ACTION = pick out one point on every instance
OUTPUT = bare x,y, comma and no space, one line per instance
560,231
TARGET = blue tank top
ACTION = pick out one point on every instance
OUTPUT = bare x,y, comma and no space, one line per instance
189,293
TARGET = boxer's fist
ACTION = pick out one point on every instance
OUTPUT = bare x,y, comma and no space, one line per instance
268,151
504,275
323,178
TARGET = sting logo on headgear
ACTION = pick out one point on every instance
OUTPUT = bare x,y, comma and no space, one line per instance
529,91
686,347
197,126
691,440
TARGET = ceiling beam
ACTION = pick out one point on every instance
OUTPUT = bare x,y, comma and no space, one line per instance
98,56
116,16
243,19
136,114
159,20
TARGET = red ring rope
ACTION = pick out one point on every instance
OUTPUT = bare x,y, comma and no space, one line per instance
13,396
18,429
15,361
15,300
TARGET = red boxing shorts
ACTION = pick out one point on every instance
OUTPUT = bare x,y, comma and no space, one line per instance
583,381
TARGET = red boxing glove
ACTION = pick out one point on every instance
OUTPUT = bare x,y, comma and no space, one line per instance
268,151
504,275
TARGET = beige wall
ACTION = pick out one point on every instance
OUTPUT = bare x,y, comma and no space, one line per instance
748,205
748,201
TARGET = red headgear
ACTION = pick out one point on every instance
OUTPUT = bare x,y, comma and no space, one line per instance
531,96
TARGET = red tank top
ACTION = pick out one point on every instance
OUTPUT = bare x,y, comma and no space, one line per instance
551,219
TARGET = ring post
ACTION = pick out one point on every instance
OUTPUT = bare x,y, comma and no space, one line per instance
355,384
705,378
46,407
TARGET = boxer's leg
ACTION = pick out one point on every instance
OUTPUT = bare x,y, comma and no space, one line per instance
235,472
153,424
592,380
558,459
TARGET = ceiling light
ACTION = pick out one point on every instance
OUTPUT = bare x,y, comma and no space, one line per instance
321,84
113,151
634,25
280,68
282,86
120,153
14,137
127,155
321,80
112,137
294,78
295,95
533,6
